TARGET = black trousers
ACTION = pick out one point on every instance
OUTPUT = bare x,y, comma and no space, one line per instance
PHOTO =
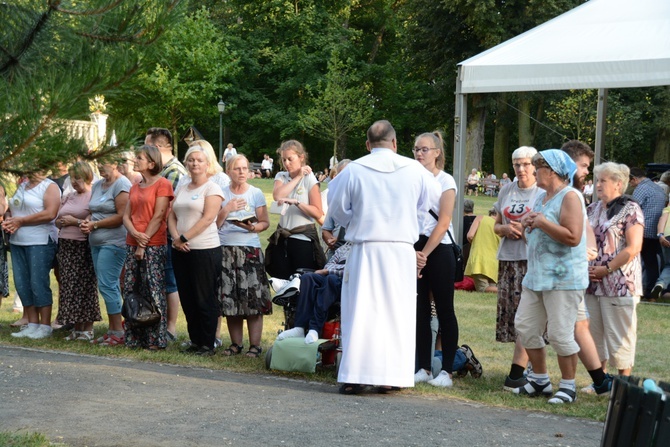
198,275
290,255
438,278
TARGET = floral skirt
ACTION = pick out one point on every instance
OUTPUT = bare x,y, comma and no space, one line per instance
244,286
510,276
152,271
78,286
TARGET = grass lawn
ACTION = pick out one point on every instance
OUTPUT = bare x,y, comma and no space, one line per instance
476,315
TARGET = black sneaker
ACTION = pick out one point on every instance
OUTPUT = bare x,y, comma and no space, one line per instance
512,384
657,291
205,351
476,370
605,387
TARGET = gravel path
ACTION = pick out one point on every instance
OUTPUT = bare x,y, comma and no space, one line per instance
97,401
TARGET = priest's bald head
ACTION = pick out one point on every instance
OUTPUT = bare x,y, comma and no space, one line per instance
381,134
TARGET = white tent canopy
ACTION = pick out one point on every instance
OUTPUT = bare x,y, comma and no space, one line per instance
600,44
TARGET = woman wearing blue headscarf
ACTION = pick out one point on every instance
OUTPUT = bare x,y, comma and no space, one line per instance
557,275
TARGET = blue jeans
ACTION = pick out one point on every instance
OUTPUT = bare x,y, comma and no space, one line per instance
108,262
664,277
31,265
170,280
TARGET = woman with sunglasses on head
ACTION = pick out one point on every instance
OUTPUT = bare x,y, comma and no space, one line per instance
437,276
295,244
515,200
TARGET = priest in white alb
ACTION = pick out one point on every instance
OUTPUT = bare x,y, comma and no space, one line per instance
377,199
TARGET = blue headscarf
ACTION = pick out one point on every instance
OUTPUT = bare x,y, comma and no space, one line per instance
560,163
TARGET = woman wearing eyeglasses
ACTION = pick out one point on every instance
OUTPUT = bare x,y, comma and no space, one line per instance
437,276
515,200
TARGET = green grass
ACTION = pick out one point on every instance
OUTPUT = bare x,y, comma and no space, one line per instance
476,315
25,440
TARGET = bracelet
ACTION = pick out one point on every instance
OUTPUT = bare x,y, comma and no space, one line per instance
297,203
183,238
78,222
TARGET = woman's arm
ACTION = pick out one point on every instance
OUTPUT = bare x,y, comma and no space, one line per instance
447,201
513,230
633,235
570,227
160,209
114,221
473,228
282,190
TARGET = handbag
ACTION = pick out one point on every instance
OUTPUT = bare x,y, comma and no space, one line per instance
458,254
139,309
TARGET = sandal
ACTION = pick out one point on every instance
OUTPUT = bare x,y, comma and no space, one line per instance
84,335
254,351
563,396
113,340
387,389
233,349
72,336
352,388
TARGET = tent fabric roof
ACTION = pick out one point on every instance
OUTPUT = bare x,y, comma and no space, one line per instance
599,44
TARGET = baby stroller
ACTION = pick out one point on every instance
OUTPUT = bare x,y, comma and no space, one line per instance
287,293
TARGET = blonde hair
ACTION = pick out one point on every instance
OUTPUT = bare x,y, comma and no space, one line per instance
233,160
438,141
213,167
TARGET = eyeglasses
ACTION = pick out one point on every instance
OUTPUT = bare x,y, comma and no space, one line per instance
423,149
521,165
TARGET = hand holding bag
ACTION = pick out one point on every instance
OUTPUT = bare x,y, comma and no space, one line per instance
138,308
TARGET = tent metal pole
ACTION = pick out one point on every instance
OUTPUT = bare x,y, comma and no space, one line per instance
601,125
460,133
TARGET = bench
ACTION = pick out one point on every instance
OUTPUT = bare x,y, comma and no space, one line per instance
491,187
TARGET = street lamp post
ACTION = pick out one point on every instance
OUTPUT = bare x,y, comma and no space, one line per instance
222,108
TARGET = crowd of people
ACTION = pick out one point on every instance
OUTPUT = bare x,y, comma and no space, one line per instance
187,236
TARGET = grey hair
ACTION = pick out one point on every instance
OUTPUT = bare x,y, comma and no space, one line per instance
614,171
524,152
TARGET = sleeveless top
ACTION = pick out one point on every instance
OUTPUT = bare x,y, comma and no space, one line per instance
553,265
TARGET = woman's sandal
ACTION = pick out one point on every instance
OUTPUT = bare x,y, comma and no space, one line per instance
563,396
233,349
352,388
254,351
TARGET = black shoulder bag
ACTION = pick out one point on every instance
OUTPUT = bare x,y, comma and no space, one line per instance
458,254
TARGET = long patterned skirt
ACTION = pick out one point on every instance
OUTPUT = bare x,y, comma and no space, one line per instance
244,286
78,286
510,276
152,270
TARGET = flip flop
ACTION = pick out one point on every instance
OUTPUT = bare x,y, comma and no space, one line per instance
19,323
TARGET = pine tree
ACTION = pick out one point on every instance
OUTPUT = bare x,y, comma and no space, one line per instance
57,54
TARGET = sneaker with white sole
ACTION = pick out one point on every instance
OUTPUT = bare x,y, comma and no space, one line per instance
422,376
278,284
25,331
43,331
657,291
532,389
442,380
473,364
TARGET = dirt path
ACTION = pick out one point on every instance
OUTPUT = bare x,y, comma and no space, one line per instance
94,401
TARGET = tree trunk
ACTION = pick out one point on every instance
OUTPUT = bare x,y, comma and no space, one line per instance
474,143
662,149
525,135
501,155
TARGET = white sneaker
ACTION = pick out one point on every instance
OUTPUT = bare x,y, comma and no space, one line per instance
25,331
278,284
423,376
442,380
43,331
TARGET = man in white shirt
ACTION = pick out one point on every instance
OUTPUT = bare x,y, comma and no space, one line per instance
266,166
378,199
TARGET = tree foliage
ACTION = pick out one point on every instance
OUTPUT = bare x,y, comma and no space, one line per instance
56,54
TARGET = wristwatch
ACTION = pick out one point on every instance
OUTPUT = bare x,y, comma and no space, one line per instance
95,225
609,270
660,235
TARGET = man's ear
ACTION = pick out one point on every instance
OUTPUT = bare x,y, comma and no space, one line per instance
367,145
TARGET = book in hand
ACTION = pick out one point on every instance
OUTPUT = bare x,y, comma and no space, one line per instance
246,219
